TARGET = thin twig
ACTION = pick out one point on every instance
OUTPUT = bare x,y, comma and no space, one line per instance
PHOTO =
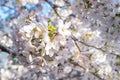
77,45
88,71
75,39
54,7
97,76
5,49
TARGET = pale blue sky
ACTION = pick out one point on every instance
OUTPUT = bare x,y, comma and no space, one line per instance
5,12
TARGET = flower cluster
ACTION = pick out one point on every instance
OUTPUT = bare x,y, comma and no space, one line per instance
80,41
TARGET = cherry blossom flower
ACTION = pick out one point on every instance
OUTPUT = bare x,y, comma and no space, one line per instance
63,29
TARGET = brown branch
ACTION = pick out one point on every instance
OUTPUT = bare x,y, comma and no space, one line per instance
54,7
5,49
97,76
75,39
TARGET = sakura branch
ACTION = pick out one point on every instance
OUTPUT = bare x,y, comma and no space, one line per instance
93,73
54,7
76,40
5,49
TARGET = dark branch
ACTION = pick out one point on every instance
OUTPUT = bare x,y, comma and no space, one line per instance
54,7
92,73
75,39
5,49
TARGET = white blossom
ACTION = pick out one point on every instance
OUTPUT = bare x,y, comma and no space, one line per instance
67,69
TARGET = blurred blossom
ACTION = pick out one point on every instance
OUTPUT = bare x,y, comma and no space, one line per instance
67,69
3,59
43,43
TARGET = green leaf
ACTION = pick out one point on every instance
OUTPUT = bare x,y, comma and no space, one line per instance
117,15
118,60
88,3
51,28
15,59
51,34
40,36
113,26
100,3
